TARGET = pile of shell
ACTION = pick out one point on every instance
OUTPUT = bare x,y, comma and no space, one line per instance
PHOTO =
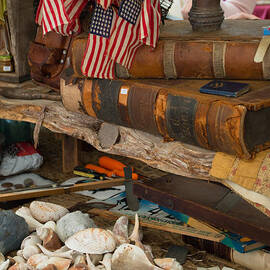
61,240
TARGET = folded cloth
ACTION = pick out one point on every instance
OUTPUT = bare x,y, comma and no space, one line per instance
252,177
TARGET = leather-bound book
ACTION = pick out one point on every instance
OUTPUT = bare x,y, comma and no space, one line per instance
181,53
176,110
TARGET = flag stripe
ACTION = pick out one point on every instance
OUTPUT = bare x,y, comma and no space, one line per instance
60,16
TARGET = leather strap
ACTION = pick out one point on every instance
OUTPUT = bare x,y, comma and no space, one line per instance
219,50
168,60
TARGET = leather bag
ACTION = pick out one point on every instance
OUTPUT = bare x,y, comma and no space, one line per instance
48,57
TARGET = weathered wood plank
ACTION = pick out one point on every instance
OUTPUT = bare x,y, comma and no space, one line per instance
173,157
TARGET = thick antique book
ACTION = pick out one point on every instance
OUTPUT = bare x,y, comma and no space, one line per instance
176,110
181,53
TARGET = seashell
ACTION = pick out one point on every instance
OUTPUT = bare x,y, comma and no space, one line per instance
131,257
50,267
37,259
19,266
59,263
148,252
2,258
135,235
58,253
44,211
50,239
79,266
72,223
4,265
120,240
25,213
121,227
107,261
50,225
79,263
90,264
79,259
168,264
92,241
96,258
100,267
18,259
30,250
20,253
30,240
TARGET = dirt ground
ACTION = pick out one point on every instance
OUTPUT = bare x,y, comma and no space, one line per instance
50,148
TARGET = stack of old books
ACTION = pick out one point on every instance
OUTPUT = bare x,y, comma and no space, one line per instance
160,94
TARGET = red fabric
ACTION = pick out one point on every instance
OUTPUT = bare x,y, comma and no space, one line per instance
262,11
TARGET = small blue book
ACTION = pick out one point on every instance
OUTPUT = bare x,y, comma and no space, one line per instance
225,88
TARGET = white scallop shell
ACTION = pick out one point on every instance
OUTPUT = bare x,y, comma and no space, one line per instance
92,241
168,264
44,211
130,257
25,213
30,250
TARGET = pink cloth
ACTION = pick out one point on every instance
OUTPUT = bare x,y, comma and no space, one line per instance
230,7
262,11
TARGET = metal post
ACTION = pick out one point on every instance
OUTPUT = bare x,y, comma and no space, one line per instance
206,15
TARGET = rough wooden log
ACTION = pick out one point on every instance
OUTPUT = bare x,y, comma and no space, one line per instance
173,157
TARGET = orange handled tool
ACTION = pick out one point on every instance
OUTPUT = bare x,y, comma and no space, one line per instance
114,165
99,169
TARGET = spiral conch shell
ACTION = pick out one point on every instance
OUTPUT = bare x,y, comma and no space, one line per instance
44,211
131,257
92,241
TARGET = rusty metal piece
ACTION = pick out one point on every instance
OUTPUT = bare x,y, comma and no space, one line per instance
206,15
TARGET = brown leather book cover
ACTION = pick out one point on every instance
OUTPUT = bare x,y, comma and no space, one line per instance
176,110
181,53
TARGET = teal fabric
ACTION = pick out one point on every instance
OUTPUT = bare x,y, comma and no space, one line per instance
16,131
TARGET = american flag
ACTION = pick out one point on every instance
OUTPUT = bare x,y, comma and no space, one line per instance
95,62
104,3
150,21
60,16
115,35
124,40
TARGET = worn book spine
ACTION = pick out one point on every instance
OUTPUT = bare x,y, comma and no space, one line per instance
212,124
176,59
